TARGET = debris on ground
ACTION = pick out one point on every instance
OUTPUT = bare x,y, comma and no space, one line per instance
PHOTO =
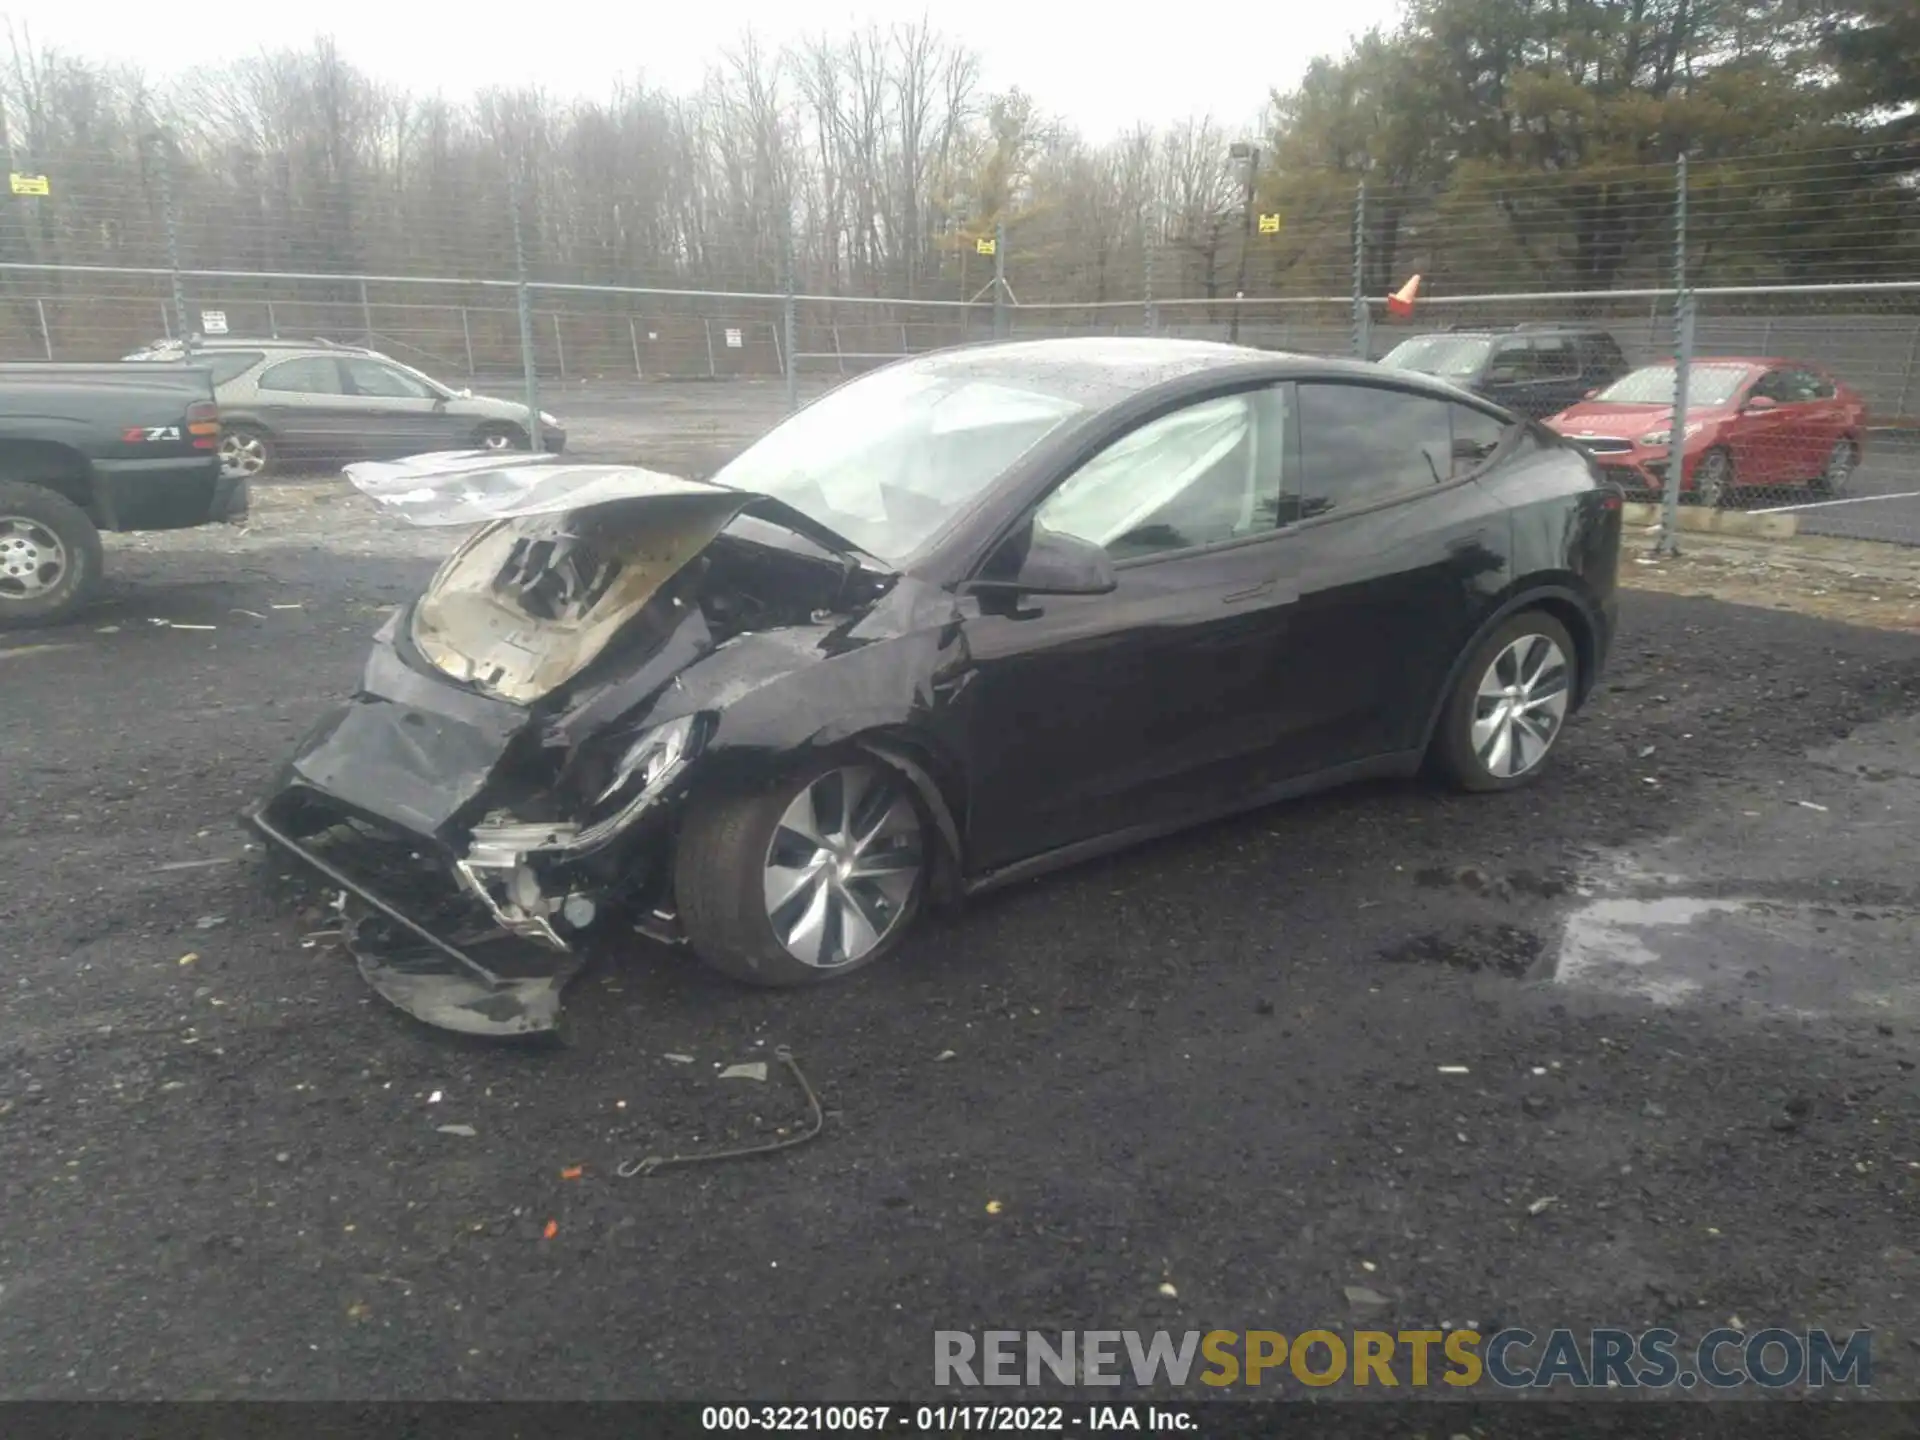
464,1131
678,1059
1365,1297
1542,1205
752,1070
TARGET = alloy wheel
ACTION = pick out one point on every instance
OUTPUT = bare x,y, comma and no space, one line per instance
1833,480
242,456
842,866
1715,479
1520,706
32,559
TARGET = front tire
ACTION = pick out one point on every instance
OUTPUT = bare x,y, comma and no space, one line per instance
1713,479
50,556
1833,479
500,437
1509,704
813,877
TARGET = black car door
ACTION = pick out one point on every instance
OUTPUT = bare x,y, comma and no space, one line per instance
1090,714
1397,557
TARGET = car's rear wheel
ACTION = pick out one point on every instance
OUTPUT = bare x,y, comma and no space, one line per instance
1713,479
1509,704
246,452
1834,477
810,878
50,556
500,436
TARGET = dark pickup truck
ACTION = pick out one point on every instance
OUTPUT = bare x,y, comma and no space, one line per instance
86,448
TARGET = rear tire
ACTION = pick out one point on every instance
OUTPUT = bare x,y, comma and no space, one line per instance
817,875
1509,705
50,556
246,453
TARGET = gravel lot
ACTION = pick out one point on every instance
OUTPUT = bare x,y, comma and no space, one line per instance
1679,972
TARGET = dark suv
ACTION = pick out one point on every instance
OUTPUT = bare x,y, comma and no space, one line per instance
1537,370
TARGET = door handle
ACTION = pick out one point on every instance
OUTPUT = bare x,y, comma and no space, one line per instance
1251,592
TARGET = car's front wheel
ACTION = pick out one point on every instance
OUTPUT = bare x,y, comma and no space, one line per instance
1509,704
812,877
497,436
1841,460
1713,480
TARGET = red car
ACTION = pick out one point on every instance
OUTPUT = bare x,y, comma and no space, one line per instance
1751,423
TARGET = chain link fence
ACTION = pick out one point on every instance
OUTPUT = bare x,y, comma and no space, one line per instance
1776,298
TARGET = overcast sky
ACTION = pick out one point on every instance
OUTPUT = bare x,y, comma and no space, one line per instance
1101,65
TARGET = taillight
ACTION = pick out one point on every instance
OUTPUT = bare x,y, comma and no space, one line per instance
203,424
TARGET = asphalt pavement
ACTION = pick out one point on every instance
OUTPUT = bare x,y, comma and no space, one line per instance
1635,1045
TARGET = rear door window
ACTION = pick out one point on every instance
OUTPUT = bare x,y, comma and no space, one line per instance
1554,358
1364,443
312,375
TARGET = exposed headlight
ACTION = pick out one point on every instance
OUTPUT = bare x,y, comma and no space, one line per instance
654,757
1665,437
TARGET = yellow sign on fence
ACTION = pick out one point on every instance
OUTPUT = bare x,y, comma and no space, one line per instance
984,245
29,184
1269,224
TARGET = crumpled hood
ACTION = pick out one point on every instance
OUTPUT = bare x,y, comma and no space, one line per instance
465,487
565,557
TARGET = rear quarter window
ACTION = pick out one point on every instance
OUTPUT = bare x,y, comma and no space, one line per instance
232,365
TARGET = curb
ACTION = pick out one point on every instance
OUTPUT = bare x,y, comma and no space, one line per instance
1718,522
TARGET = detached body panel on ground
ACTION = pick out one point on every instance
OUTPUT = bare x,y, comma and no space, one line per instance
87,448
1047,600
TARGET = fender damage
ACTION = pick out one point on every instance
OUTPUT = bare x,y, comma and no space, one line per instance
505,782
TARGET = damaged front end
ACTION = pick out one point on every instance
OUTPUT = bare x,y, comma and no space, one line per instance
504,780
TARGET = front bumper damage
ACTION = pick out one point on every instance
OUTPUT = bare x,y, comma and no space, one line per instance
434,797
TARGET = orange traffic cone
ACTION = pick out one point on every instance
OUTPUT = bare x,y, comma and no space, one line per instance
1401,301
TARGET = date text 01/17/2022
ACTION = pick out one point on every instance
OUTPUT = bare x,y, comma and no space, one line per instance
944,1419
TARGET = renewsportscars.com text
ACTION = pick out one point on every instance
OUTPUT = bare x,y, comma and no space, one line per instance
1510,1359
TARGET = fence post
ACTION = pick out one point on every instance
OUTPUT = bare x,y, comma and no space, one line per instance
1362,318
173,237
1669,539
527,360
713,370
633,334
999,280
273,324
46,335
789,318
366,313
166,321
1900,411
559,345
466,335
1153,320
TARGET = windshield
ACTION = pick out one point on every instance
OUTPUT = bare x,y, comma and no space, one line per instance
1454,356
1707,385
887,460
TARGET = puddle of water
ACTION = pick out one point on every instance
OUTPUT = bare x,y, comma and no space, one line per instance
1607,945
1806,960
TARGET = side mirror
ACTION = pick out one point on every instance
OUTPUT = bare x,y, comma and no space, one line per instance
1760,402
1590,394
1040,561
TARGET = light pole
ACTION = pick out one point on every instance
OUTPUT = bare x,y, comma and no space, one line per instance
1243,150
